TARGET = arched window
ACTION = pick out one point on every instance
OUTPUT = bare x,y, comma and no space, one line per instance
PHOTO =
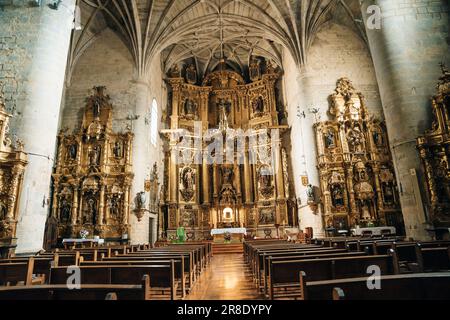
154,123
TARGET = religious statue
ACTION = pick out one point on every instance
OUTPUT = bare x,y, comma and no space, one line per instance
227,175
94,156
329,139
117,149
310,193
337,195
65,210
174,71
114,205
258,105
223,114
355,139
96,108
254,70
90,216
377,138
188,179
190,108
141,199
73,151
191,74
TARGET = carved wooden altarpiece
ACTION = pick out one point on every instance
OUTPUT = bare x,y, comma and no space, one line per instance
434,149
13,161
356,172
93,175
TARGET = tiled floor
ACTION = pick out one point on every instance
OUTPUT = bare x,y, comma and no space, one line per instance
226,278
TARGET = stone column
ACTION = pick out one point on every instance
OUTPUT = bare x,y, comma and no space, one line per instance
141,158
406,51
305,152
35,52
247,178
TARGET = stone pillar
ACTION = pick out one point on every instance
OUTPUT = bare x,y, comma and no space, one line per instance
305,151
34,53
406,51
141,157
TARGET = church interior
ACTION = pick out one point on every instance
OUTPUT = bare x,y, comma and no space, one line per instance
224,149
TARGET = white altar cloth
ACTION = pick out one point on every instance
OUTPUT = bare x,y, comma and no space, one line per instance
99,241
229,230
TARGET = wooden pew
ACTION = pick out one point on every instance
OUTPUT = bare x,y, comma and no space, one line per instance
433,259
418,286
41,268
85,292
162,276
180,274
284,278
13,273
306,255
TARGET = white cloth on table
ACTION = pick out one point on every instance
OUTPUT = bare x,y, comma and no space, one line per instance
229,230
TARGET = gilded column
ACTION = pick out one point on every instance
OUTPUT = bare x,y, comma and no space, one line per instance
173,172
101,207
74,205
247,179
205,182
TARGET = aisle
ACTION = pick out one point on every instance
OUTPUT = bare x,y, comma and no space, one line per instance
226,278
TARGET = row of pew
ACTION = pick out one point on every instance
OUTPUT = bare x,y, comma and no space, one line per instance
342,268
121,272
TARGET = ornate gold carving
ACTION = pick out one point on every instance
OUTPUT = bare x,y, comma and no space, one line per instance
12,166
224,100
434,150
357,182
93,174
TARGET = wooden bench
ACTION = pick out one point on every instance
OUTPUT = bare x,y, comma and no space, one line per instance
162,276
284,277
418,286
180,275
13,273
85,292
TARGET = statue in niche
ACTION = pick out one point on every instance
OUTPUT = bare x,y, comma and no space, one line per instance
270,68
227,175
258,105
188,219
223,106
94,155
227,196
188,179
65,210
355,139
190,108
329,139
255,71
191,74
117,149
377,138
73,148
113,205
337,196
174,71
90,216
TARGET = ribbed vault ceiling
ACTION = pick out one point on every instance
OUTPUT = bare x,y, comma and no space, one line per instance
199,29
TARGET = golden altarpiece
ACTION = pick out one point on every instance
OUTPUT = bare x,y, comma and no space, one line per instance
203,195
13,161
434,149
93,175
357,181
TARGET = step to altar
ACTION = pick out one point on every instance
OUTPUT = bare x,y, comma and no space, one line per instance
227,248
